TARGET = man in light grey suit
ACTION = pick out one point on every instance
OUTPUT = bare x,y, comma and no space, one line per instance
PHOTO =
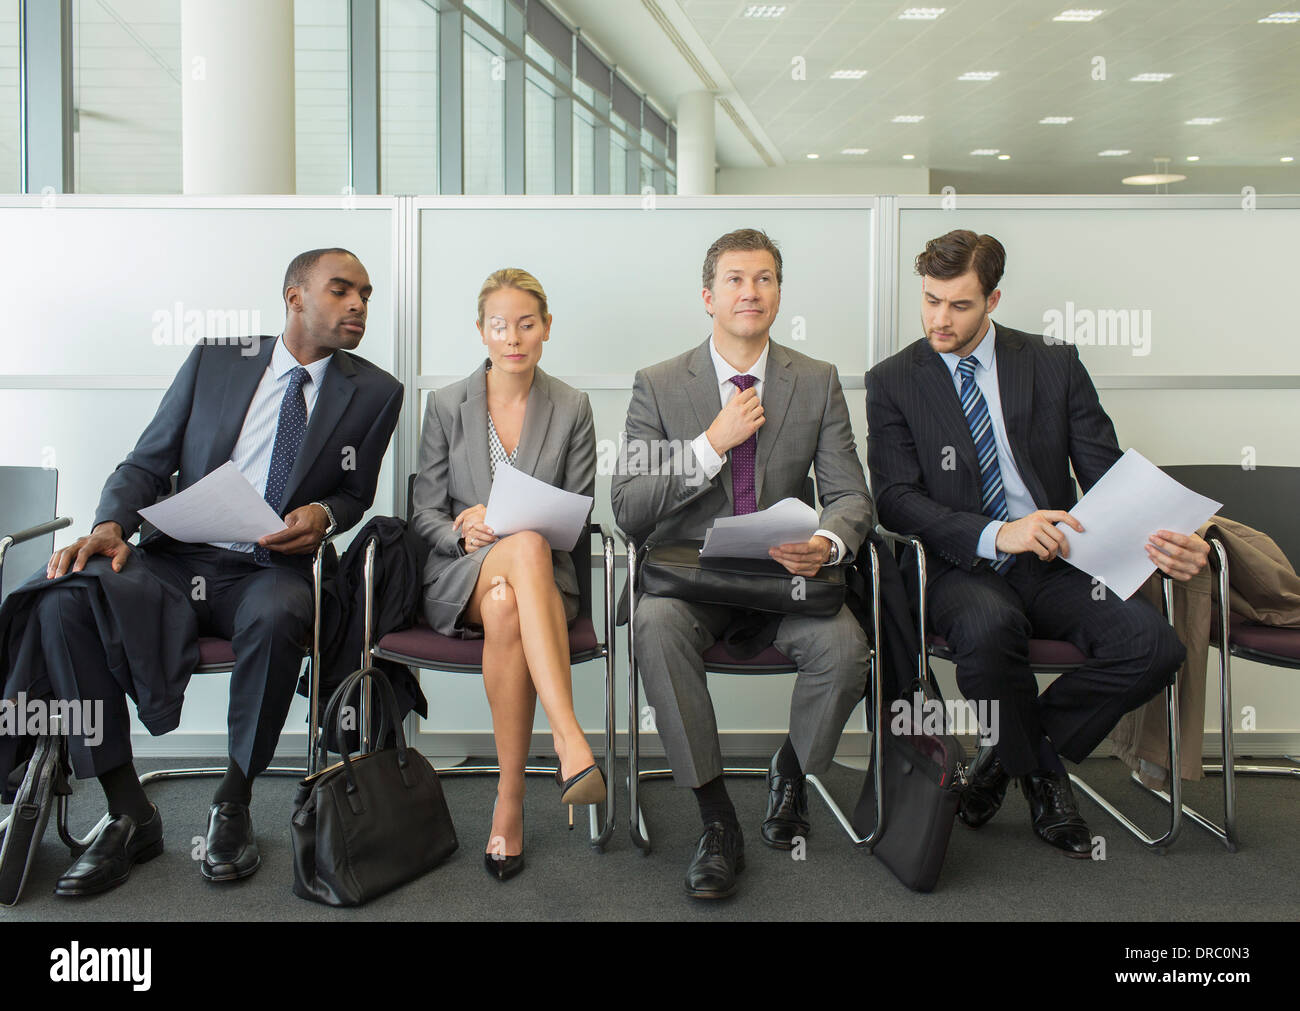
736,424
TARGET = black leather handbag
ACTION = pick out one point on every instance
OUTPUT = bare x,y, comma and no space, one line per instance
924,773
675,569
368,824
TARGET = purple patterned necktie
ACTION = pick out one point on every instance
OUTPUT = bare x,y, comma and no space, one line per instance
742,463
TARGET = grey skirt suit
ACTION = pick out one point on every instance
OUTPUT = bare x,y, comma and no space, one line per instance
557,445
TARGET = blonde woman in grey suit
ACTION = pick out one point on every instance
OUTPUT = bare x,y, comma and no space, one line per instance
514,591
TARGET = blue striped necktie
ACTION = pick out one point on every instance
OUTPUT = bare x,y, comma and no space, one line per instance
289,431
993,502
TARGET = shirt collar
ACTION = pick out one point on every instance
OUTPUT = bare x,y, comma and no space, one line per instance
983,354
283,362
724,370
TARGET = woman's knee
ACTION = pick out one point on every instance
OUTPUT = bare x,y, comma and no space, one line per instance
500,610
530,549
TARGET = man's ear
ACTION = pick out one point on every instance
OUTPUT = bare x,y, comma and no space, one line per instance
707,295
993,299
293,298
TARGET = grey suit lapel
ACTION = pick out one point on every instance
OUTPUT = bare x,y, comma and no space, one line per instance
537,422
938,390
1016,391
241,383
778,391
336,390
473,427
702,389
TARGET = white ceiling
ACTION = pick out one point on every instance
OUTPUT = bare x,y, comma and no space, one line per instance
1224,65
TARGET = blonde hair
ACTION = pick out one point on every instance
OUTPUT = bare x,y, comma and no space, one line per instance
512,277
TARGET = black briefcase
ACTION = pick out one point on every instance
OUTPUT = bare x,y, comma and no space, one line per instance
368,824
45,779
675,569
924,772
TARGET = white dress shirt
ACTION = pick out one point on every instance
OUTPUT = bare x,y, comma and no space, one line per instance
1019,502
710,461
253,448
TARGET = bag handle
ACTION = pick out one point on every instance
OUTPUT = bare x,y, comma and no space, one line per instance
335,703
389,706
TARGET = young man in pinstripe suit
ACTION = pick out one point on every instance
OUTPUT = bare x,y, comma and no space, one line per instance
972,433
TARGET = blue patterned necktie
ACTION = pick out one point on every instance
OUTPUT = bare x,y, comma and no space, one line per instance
289,431
993,502
742,463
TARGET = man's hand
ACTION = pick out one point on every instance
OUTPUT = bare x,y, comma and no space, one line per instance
472,531
805,558
741,418
1037,533
304,530
1180,555
105,539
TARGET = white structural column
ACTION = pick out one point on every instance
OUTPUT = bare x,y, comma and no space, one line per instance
237,96
696,145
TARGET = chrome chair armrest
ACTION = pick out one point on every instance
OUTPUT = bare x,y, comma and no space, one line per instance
31,533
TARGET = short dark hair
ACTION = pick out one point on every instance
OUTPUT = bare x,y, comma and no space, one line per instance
301,266
960,250
741,240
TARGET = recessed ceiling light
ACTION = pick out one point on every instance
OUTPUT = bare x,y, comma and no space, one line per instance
848,75
1113,152
1004,157
921,13
1287,158
764,11
907,119
1153,179
1056,120
1151,77
1203,121
812,156
908,157
979,75
985,150
1281,18
1193,157
1078,15
855,150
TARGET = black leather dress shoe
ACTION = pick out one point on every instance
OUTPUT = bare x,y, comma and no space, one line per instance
107,863
1055,814
231,851
719,857
986,786
787,809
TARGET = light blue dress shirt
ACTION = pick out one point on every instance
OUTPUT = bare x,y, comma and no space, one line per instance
252,453
1019,502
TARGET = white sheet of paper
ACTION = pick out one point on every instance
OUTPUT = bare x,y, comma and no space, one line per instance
790,521
520,501
1133,500
222,506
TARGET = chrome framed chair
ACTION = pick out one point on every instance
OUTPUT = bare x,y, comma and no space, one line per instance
1054,656
719,660
420,647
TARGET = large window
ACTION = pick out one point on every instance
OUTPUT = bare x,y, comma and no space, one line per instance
584,151
408,97
539,134
320,83
9,112
484,119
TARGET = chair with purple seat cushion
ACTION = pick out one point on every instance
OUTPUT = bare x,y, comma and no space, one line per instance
424,649
1055,656
718,659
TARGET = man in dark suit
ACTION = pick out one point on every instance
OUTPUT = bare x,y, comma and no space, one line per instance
307,424
971,433
743,420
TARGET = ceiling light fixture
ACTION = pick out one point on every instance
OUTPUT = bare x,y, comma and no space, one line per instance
908,157
1203,121
1004,157
907,119
1160,177
1286,158
764,11
848,75
812,156
1193,157
985,150
921,13
855,150
1078,15
1149,77
979,75
1281,18
1113,152
1056,120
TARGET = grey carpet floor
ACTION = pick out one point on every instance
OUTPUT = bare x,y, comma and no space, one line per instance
1001,872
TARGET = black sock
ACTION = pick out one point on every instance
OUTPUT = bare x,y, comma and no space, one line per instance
1048,760
715,804
787,762
235,788
125,794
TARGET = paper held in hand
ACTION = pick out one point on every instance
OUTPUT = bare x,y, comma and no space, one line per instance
790,521
521,502
221,507
1133,500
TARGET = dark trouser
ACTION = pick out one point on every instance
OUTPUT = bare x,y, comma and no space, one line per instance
988,619
266,612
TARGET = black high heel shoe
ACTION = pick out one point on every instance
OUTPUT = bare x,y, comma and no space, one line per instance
587,787
500,865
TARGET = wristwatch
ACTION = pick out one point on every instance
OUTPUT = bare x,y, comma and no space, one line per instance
835,553
329,513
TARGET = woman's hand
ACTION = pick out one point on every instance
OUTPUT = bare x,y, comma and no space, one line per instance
473,533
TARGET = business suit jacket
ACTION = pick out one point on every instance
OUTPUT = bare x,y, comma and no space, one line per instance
557,445
924,470
807,426
200,418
